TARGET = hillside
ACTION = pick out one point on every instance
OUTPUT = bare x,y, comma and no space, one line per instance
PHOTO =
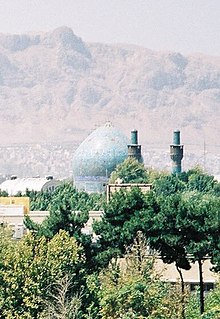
55,89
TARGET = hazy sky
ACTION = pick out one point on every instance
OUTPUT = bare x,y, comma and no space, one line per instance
186,26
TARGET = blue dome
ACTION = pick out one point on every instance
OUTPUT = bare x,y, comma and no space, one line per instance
99,154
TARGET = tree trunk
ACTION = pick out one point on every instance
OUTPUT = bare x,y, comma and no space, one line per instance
182,292
201,292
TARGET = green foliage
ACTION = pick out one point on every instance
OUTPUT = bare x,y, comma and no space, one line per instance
168,184
130,171
6,244
78,200
200,181
3,193
177,221
162,227
30,266
192,180
68,211
5,238
39,200
192,310
212,304
183,224
134,290
154,174
215,245
199,218
184,229
120,223
92,297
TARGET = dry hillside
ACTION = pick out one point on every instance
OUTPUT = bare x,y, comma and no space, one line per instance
55,89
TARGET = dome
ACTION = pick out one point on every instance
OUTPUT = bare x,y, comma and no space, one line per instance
98,155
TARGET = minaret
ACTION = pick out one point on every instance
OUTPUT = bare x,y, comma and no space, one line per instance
134,149
176,152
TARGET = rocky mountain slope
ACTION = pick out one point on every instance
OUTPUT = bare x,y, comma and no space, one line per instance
55,89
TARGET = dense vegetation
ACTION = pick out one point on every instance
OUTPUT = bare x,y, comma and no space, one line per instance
56,271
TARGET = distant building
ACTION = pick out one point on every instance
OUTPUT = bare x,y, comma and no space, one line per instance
169,273
12,213
112,188
16,185
13,216
19,201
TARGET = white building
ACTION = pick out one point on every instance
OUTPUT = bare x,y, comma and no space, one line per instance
15,185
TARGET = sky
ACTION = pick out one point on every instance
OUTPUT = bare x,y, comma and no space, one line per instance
185,26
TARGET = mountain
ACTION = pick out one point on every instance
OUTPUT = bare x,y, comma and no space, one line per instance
55,89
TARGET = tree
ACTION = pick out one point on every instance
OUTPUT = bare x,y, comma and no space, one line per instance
6,244
69,210
213,304
3,193
134,290
193,180
198,180
183,229
168,184
201,230
39,200
119,225
30,266
130,171
61,304
77,199
176,224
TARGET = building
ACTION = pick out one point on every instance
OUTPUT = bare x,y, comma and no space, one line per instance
169,273
16,185
19,201
97,156
13,216
13,211
112,188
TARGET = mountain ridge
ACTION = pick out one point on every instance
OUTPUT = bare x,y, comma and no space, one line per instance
56,88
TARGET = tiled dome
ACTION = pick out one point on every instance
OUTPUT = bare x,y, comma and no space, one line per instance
98,155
